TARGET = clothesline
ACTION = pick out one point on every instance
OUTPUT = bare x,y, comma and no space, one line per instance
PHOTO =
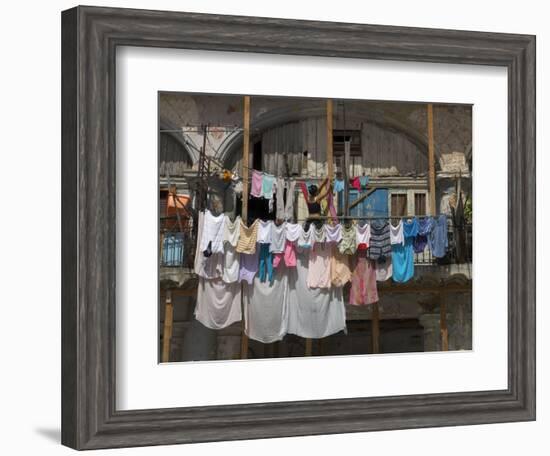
301,273
200,129
366,217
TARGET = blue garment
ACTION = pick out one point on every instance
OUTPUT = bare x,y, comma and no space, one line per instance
403,261
425,226
403,254
268,183
266,264
364,180
437,239
338,185
410,228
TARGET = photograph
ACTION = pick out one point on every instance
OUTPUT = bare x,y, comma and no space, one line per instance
295,227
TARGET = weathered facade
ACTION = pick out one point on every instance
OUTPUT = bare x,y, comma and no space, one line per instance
389,144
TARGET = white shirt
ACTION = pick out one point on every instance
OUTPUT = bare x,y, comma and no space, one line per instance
232,230
396,233
278,238
212,231
333,232
264,232
362,234
293,231
231,264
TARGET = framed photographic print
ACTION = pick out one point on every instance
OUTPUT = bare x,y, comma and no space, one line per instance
280,228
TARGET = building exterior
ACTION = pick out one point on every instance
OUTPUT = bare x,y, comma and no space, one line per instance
202,135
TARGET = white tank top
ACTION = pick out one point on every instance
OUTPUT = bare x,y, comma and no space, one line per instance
212,231
231,264
333,232
278,238
293,231
264,232
396,233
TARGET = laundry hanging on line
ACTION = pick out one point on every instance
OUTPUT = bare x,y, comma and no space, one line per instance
306,268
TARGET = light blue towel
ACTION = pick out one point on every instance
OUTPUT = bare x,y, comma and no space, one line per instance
268,185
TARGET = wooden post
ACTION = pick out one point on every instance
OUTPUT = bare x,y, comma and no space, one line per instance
330,158
347,146
375,324
431,160
244,206
246,157
244,342
309,347
443,322
168,323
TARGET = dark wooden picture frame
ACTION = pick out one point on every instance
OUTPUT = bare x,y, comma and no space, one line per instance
90,36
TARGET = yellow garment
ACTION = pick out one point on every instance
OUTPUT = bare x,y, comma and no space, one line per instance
247,238
340,273
324,206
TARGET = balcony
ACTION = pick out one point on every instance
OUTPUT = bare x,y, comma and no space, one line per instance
178,251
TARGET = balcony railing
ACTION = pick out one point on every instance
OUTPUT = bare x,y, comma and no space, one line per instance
178,248
459,250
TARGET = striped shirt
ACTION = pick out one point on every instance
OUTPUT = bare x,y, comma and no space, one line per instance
380,244
247,238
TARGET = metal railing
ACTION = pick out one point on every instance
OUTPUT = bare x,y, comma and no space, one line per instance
459,249
178,248
177,243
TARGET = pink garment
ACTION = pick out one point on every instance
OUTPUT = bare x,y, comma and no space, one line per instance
289,256
256,186
356,183
363,283
331,207
318,274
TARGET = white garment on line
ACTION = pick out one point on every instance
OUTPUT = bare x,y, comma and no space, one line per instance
278,238
306,239
362,234
208,267
396,233
313,313
318,234
264,232
293,231
280,195
212,231
232,230
231,264
285,209
218,303
266,307
289,204
384,269
333,232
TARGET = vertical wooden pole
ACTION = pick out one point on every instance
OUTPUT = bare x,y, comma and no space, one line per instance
347,146
431,160
375,322
244,211
330,158
443,322
309,347
168,323
246,157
